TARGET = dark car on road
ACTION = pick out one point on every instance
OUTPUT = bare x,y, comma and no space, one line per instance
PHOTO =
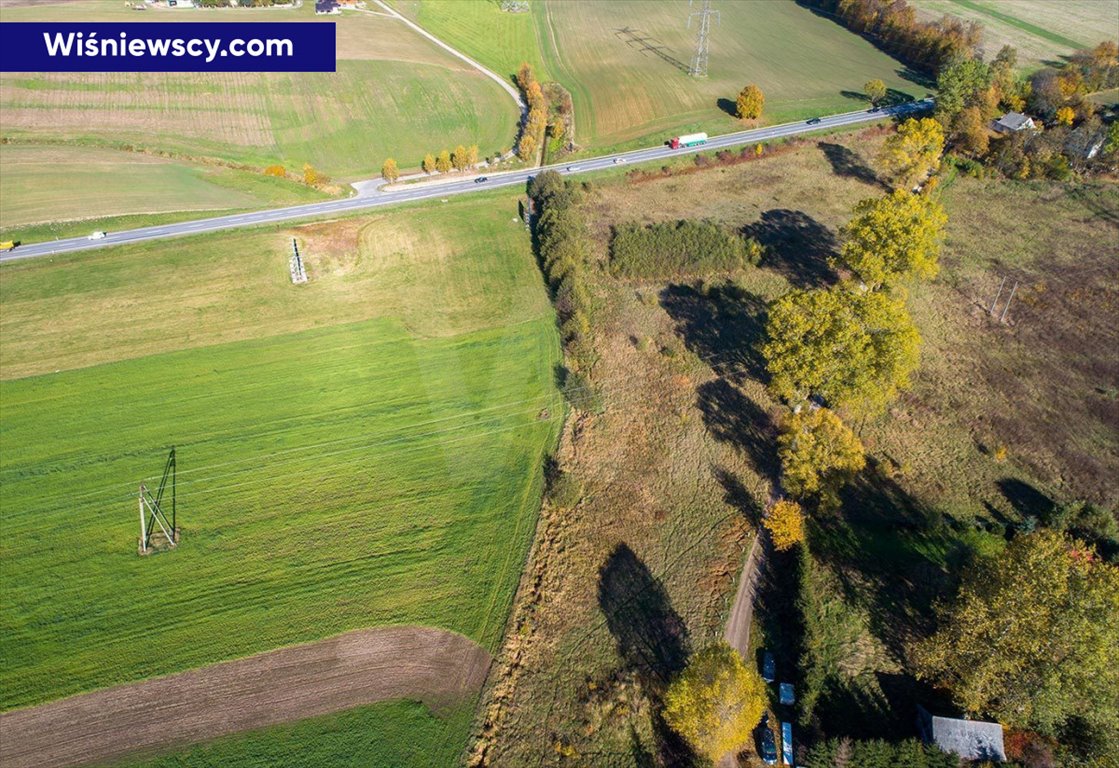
814,121
481,179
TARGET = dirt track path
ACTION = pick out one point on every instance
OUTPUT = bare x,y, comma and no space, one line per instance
737,632
361,667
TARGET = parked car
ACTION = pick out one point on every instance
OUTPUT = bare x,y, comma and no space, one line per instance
769,667
97,236
481,179
814,121
767,744
787,696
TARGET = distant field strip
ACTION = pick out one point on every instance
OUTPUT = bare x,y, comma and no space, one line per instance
419,663
1023,25
395,93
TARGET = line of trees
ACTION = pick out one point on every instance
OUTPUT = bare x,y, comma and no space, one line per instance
892,25
461,159
564,250
674,249
852,347
536,121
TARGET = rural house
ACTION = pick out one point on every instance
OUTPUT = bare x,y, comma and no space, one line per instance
1012,122
970,739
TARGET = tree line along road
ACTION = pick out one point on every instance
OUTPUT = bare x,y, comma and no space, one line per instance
465,186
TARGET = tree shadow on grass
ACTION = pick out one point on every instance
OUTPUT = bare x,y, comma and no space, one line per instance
848,164
736,495
892,555
722,324
733,418
652,639
730,106
1026,500
797,246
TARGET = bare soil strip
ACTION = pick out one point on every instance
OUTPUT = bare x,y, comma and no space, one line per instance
362,667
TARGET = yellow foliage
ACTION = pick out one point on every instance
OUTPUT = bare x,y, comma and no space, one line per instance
785,523
875,90
893,238
818,453
389,171
276,170
1065,116
429,163
750,102
854,348
716,702
913,151
443,161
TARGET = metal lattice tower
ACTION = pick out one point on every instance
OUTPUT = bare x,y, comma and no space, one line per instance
702,38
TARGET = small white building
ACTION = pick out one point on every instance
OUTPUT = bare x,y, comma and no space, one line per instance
970,739
1012,122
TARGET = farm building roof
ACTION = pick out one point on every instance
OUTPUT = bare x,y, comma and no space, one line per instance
1014,121
971,739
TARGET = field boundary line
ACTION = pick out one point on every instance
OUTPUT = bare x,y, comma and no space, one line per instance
435,666
487,72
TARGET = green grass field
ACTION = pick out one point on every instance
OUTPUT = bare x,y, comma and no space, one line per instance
398,734
363,450
1041,31
46,190
394,94
624,97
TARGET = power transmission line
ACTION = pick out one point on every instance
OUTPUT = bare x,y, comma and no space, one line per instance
702,40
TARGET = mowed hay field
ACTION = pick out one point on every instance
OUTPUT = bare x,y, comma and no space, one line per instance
50,188
1042,31
804,63
351,452
395,94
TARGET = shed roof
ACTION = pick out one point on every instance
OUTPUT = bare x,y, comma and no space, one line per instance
972,739
1015,121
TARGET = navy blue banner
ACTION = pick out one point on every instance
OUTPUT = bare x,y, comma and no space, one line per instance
301,46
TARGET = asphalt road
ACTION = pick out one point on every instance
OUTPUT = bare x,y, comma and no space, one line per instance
442,190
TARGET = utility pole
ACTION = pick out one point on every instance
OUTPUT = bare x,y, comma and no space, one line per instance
702,40
1007,307
991,311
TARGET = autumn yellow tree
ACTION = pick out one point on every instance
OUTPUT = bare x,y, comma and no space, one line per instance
389,171
443,161
429,163
1065,116
750,103
819,453
785,523
458,158
971,134
716,702
892,238
913,151
472,156
854,348
526,147
1032,637
875,90
310,175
